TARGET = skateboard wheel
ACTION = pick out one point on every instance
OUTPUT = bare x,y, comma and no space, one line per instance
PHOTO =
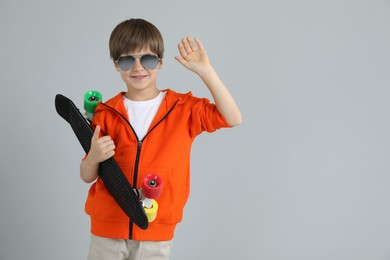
151,213
91,100
151,186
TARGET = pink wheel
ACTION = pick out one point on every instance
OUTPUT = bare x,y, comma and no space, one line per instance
151,186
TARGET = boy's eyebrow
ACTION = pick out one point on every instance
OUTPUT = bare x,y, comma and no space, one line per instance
139,54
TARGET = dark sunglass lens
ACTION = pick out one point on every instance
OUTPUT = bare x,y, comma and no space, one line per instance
149,61
125,62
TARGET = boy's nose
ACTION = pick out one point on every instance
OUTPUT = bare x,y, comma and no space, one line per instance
137,65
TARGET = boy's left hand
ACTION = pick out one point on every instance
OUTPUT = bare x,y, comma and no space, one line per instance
193,55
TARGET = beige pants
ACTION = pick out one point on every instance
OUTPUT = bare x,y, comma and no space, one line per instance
118,249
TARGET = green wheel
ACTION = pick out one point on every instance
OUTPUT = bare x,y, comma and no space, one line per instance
91,100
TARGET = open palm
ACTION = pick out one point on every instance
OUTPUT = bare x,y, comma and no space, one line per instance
193,56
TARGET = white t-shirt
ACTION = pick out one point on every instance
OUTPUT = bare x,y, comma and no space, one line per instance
141,113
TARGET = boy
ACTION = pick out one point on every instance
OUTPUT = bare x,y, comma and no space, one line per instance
148,130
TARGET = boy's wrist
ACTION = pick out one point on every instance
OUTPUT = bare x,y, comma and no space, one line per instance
206,71
90,162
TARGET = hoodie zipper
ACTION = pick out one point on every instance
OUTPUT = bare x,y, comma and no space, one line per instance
139,146
135,175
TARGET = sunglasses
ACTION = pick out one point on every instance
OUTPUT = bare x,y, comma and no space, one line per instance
126,62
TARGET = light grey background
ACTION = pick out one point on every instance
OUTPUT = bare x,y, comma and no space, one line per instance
306,176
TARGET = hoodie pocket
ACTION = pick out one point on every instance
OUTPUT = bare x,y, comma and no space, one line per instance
174,193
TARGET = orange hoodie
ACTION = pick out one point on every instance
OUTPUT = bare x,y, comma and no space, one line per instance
165,151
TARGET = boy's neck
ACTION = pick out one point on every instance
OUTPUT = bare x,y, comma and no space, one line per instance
142,95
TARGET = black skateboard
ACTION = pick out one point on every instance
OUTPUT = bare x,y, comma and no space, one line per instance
109,171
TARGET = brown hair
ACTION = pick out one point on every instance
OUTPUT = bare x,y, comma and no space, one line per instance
133,35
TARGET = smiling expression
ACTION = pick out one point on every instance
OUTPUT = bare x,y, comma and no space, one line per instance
140,81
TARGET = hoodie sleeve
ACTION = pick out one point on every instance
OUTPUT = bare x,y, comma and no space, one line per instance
206,117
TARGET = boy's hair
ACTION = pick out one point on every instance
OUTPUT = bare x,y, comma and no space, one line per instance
133,35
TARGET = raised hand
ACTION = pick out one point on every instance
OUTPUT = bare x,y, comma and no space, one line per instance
193,56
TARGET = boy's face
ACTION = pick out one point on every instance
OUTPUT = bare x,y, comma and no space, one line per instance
139,79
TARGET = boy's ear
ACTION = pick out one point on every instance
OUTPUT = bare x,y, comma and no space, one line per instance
160,64
116,66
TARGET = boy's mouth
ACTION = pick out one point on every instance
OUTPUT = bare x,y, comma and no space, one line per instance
138,77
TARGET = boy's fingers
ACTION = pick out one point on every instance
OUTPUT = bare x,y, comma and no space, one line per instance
192,44
186,45
199,43
179,59
182,50
96,133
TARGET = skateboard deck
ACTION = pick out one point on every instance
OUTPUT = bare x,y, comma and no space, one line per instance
109,171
